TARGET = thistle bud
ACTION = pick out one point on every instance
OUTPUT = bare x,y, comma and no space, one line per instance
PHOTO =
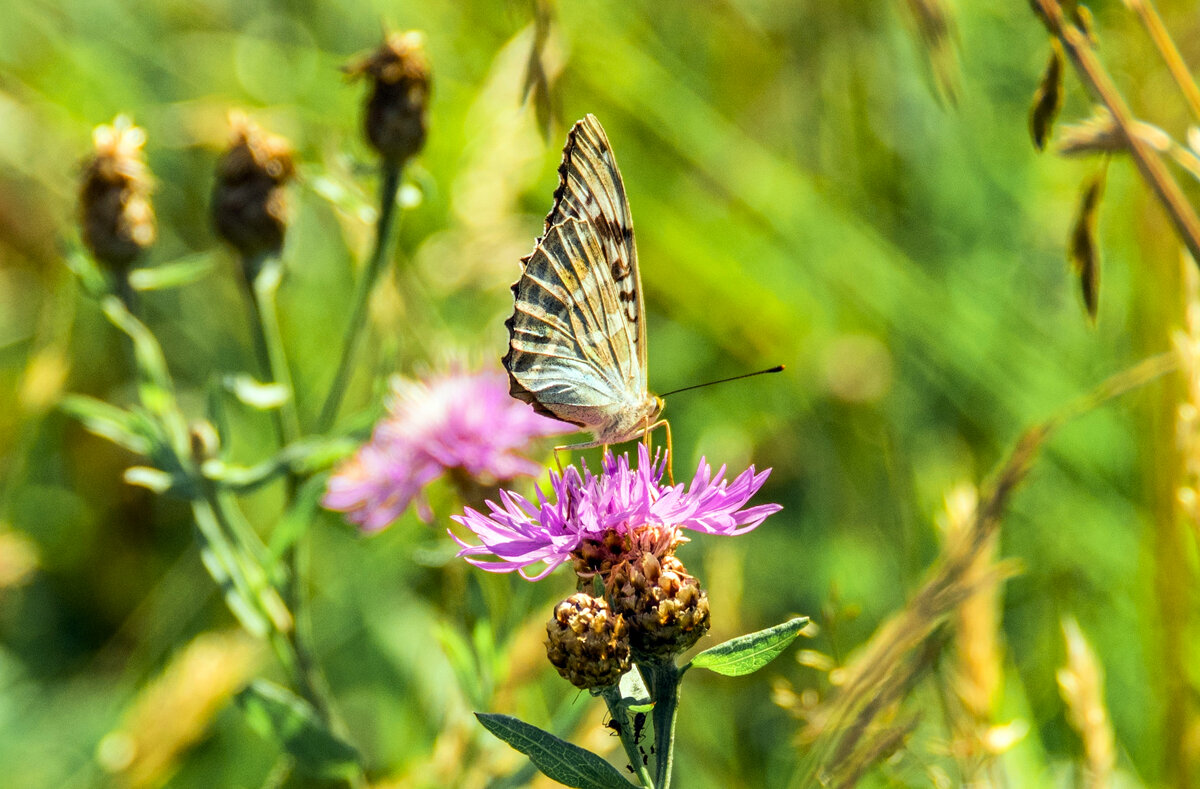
249,203
666,609
587,642
395,119
114,206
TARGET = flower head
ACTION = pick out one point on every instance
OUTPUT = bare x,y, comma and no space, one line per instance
458,421
395,119
114,195
599,520
249,204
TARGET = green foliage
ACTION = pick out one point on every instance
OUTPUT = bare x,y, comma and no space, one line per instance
279,714
568,764
747,654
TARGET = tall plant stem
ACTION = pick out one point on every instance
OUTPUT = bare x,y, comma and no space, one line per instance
1151,167
389,186
1170,53
663,678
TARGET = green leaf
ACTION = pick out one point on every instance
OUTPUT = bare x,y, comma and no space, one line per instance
635,696
561,761
276,712
172,275
747,654
95,284
299,516
119,426
248,391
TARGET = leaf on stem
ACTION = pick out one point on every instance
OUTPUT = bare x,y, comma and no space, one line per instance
1048,98
257,395
558,759
1083,252
276,712
172,275
119,426
747,654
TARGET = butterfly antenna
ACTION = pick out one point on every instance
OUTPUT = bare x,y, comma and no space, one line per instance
776,369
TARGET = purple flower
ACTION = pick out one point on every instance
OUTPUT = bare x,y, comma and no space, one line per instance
455,421
620,501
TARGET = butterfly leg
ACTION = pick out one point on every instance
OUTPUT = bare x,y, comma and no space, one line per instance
666,426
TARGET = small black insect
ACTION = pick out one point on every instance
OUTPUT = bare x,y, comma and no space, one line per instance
639,724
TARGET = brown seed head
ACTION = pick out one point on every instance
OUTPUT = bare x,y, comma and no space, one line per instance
249,201
587,642
665,607
395,119
114,206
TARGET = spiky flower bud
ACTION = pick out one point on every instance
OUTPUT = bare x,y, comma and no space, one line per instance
587,642
395,119
249,203
114,206
665,607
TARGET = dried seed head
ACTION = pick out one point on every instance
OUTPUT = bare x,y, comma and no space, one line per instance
114,206
587,642
395,119
1084,252
1081,683
666,609
1048,98
600,557
249,203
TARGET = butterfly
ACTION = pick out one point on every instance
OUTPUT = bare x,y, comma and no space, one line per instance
577,335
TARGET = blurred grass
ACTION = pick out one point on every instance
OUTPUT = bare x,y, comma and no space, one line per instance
800,195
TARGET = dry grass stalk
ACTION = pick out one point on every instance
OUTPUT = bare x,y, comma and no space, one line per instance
975,659
1081,682
934,23
904,648
172,713
1100,134
1187,420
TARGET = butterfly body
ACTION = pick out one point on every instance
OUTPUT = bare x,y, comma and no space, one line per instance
577,340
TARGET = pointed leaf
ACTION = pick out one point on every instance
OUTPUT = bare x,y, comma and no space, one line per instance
276,712
747,654
558,759
635,695
119,426
172,275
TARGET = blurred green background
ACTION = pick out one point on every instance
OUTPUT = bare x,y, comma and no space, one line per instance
810,185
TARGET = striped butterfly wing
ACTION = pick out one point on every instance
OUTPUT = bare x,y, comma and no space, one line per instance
577,341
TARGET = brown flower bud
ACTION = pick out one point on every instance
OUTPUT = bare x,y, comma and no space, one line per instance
665,608
249,203
115,214
587,643
395,119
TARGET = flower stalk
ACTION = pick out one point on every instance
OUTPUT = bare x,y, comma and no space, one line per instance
352,337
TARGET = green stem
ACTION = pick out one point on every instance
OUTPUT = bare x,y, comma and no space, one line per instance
612,698
366,284
663,679
268,341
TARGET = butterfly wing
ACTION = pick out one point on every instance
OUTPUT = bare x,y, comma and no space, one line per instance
577,342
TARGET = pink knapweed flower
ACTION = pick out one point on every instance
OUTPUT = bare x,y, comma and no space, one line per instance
619,501
458,421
